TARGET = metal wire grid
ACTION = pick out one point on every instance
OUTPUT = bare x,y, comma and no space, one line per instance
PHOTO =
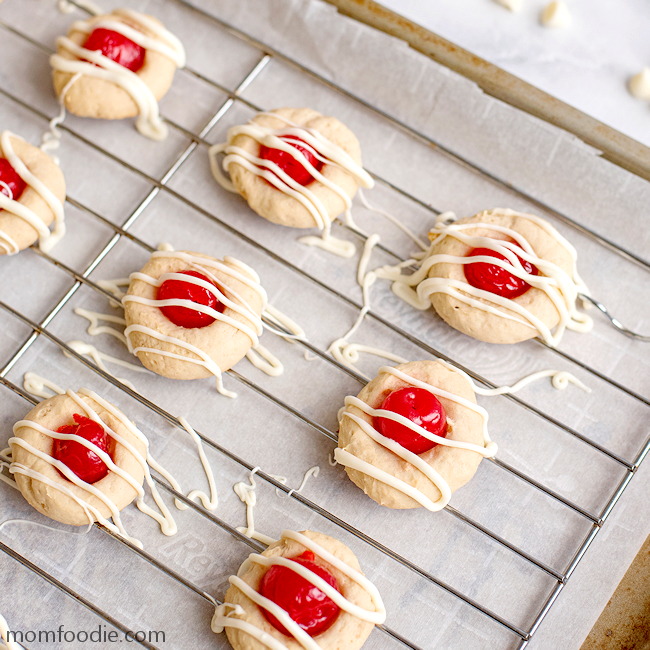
40,329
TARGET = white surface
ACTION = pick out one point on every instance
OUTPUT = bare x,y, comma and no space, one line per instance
586,65
540,159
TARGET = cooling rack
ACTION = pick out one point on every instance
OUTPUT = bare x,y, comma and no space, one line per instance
482,573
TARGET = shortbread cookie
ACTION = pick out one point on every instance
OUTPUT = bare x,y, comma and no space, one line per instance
66,480
32,191
117,65
294,166
393,461
498,302
190,316
305,586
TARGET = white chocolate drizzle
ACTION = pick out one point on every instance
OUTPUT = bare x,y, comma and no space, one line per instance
258,355
46,238
229,297
344,457
561,288
320,147
67,7
247,493
225,614
163,517
51,139
93,63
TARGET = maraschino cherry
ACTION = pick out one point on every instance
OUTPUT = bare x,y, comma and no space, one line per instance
179,290
116,47
287,163
306,604
420,407
11,179
86,464
493,278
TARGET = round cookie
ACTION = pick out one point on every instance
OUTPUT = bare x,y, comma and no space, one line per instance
42,197
165,348
277,205
454,465
109,90
348,631
507,326
32,473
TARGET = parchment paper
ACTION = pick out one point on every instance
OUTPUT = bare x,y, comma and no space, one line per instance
320,292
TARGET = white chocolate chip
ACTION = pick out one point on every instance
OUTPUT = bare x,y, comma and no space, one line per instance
639,84
512,5
555,15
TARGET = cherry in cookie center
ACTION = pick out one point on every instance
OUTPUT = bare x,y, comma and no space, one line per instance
497,279
288,163
181,290
81,460
11,184
303,601
116,47
422,408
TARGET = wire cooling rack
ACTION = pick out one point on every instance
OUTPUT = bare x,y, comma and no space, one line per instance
486,570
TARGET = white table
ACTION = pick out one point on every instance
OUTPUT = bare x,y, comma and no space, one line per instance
586,65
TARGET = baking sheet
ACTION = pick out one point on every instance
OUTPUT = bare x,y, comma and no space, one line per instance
111,171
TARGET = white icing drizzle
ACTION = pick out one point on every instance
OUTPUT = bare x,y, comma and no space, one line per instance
560,379
67,7
561,288
223,616
114,288
39,386
394,220
320,147
164,518
94,64
99,357
51,139
343,457
94,319
208,502
229,297
4,636
248,496
46,239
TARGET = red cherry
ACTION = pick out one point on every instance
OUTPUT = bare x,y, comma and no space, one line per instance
419,406
86,464
306,604
116,47
287,163
179,290
493,278
10,178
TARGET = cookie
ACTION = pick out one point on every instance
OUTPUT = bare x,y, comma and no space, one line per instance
91,489
294,166
251,620
115,66
478,291
405,470
190,316
32,191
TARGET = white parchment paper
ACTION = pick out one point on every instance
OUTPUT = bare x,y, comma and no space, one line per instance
111,172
